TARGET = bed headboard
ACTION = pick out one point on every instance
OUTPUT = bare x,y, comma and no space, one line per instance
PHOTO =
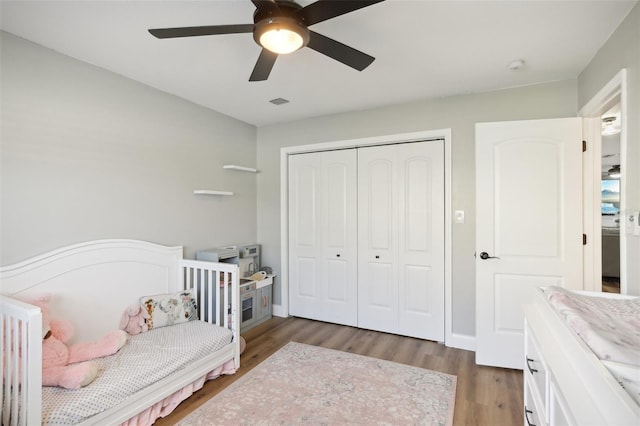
92,283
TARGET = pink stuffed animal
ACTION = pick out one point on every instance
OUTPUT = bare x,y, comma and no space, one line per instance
63,365
134,319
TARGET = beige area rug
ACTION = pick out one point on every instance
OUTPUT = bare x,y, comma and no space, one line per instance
302,384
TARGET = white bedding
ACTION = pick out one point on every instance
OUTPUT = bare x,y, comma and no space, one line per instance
145,359
610,327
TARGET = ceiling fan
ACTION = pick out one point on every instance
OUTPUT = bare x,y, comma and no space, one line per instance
281,26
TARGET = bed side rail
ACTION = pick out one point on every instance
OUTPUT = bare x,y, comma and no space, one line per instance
21,349
217,290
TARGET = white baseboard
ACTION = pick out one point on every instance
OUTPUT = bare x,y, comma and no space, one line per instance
459,341
462,341
277,311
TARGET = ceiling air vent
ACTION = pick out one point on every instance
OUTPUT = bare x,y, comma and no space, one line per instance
279,101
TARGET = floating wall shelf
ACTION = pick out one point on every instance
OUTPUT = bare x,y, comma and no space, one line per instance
240,168
209,192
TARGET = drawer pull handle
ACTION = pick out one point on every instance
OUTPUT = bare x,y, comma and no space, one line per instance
526,416
531,370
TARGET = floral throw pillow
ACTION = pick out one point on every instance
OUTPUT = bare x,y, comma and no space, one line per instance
170,309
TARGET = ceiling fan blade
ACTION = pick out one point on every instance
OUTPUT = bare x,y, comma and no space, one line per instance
338,51
263,67
322,10
266,6
200,31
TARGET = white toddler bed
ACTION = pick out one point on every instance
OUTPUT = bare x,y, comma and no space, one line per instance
582,364
91,284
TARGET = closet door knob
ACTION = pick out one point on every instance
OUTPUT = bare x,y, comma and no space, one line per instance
377,257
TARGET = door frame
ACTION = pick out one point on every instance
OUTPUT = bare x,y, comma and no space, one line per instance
592,112
282,310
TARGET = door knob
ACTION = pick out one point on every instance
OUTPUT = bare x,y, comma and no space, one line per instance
484,256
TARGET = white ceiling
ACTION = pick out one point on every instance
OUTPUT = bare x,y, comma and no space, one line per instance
423,49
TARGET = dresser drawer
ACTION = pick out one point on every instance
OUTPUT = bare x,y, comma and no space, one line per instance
558,415
535,370
533,413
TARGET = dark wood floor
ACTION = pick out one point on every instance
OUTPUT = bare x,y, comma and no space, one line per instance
484,395
611,284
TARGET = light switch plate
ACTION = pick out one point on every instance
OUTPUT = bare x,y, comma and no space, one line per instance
628,218
459,216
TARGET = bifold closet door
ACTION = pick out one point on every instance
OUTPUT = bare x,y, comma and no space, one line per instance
323,236
401,239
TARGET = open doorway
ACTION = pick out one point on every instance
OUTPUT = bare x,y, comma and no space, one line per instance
602,161
610,198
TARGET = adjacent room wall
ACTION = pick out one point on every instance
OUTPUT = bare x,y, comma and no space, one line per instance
460,113
622,50
88,154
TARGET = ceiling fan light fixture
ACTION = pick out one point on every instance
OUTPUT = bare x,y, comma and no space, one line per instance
281,41
281,35
614,172
609,126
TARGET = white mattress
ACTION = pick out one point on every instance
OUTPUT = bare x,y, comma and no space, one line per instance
145,359
609,326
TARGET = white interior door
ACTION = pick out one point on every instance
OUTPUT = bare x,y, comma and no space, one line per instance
323,236
528,225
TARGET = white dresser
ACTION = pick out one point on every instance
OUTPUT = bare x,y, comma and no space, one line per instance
564,382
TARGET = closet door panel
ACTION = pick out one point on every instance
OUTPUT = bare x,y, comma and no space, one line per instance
337,192
381,286
337,277
340,248
305,249
421,244
379,299
377,238
306,206
416,297
323,236
380,207
417,202
307,287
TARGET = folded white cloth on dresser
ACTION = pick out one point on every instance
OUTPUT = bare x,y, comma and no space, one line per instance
609,326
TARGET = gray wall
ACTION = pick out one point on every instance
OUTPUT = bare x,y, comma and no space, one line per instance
87,154
459,113
622,50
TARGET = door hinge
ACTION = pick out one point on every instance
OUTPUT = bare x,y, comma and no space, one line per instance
584,239
584,146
